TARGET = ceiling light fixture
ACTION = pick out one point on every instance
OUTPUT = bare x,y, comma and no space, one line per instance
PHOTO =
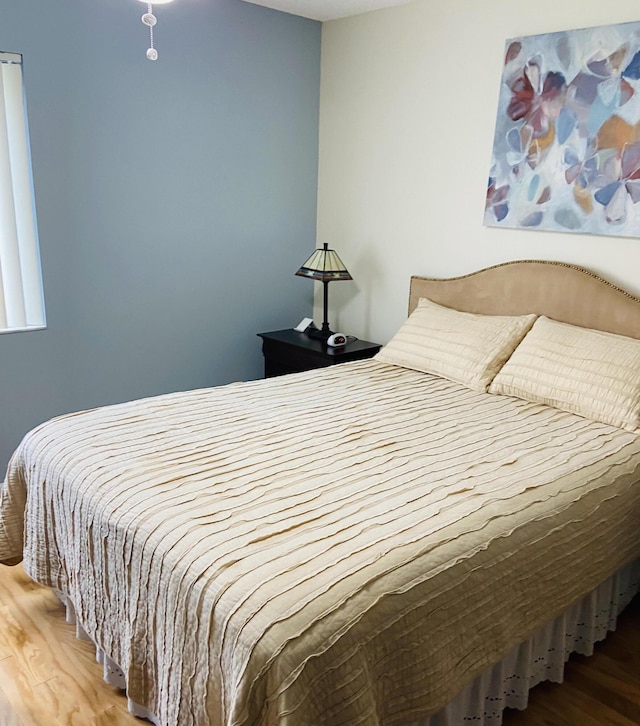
149,19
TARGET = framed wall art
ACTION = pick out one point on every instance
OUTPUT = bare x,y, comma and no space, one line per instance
566,150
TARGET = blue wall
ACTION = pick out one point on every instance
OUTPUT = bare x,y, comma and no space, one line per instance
175,199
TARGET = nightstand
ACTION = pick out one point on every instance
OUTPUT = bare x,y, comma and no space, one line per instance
288,351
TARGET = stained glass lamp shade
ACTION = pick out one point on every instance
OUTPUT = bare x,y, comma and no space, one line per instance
325,266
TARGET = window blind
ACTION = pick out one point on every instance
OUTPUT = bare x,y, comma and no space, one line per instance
21,297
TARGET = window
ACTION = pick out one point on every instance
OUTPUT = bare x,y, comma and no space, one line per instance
21,299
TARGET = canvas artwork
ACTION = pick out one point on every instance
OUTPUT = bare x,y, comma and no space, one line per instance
566,151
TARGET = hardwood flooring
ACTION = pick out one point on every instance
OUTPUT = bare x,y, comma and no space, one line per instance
600,690
49,678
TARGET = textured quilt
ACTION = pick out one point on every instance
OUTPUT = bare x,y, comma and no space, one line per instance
348,546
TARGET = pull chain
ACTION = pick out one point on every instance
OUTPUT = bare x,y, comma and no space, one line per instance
150,19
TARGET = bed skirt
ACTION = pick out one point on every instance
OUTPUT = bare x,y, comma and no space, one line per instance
507,684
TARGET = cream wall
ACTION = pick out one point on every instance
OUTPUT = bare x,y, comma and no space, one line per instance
407,112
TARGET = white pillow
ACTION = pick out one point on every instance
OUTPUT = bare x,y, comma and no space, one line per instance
583,371
462,347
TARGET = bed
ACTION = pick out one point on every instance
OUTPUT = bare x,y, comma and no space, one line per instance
364,544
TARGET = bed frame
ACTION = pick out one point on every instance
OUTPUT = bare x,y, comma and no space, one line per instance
561,291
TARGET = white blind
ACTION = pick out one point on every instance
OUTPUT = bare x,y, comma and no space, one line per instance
21,299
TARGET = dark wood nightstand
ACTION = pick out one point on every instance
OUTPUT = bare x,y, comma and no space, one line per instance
288,351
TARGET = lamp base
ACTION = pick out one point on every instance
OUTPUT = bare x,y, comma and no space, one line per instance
317,334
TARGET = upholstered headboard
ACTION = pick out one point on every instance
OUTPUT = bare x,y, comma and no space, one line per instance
558,290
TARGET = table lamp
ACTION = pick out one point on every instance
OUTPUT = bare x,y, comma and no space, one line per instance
325,266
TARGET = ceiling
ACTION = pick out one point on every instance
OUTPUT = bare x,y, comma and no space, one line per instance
327,9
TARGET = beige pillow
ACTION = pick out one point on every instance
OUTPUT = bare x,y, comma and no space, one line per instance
583,371
462,347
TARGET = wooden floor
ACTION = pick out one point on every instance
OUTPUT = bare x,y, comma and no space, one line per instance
49,678
600,690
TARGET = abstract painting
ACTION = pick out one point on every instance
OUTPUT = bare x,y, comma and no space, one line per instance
566,150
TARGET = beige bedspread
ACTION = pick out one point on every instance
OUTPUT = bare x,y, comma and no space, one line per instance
345,546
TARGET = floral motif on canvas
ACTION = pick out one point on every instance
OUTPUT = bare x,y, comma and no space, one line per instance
566,151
